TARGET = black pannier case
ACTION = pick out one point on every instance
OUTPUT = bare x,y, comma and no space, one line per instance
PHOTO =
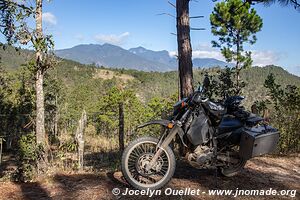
257,141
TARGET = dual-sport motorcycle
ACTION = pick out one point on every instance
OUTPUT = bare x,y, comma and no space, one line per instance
215,135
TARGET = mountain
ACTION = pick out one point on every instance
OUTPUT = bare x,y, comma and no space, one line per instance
210,62
138,58
164,57
110,55
159,56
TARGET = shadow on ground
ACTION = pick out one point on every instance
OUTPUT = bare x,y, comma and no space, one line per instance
259,174
99,161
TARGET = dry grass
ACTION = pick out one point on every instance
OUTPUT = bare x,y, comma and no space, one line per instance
108,74
98,143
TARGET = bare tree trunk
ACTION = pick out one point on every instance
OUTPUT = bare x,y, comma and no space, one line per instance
80,139
56,118
121,127
40,118
238,88
1,145
237,66
184,48
40,110
8,142
185,65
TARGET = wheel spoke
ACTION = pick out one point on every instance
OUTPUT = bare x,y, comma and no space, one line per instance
140,156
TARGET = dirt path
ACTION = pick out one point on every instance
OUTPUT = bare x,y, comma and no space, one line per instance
259,173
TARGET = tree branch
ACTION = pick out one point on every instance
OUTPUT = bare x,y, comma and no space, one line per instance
173,5
198,29
167,14
194,17
295,3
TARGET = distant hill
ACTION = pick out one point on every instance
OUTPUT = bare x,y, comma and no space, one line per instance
95,80
110,55
138,58
11,58
159,56
210,62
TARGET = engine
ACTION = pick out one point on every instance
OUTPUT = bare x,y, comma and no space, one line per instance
201,156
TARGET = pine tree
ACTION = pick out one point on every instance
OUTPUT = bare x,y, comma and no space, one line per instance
235,24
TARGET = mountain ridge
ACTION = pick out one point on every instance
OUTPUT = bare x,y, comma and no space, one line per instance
138,58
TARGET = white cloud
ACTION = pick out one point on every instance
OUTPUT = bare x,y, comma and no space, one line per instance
263,58
208,54
49,18
202,54
172,53
112,39
260,58
203,51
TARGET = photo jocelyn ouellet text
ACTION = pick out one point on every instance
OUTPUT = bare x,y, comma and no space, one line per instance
197,192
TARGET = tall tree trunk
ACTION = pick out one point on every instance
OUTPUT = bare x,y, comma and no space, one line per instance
40,110
79,136
237,66
121,126
238,88
184,48
56,118
1,146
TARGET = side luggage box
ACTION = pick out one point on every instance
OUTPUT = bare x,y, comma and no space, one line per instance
257,141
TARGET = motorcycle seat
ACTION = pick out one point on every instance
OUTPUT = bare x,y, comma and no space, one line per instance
229,123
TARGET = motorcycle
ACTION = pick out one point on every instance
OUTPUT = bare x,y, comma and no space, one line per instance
215,136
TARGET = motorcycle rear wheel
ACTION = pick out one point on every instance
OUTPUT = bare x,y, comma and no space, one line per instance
233,170
135,158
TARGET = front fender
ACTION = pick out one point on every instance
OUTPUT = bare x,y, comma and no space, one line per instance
168,124
162,122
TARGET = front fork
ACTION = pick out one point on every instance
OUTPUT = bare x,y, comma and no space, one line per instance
163,144
165,141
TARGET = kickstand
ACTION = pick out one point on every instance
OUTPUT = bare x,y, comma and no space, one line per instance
216,177
215,162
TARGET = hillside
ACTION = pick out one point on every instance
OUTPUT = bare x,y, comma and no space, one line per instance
11,58
74,87
95,81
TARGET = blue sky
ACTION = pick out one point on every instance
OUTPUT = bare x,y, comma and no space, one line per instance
132,23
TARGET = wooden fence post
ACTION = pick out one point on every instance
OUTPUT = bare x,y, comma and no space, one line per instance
80,139
1,144
121,126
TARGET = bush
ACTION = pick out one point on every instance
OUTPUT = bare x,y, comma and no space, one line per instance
27,157
285,106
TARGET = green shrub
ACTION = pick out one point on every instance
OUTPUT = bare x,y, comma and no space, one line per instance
27,156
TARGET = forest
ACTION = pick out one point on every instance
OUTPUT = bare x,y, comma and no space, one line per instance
64,125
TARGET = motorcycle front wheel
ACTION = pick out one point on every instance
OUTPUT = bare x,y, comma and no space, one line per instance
135,158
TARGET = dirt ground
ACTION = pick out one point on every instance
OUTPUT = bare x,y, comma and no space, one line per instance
263,173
